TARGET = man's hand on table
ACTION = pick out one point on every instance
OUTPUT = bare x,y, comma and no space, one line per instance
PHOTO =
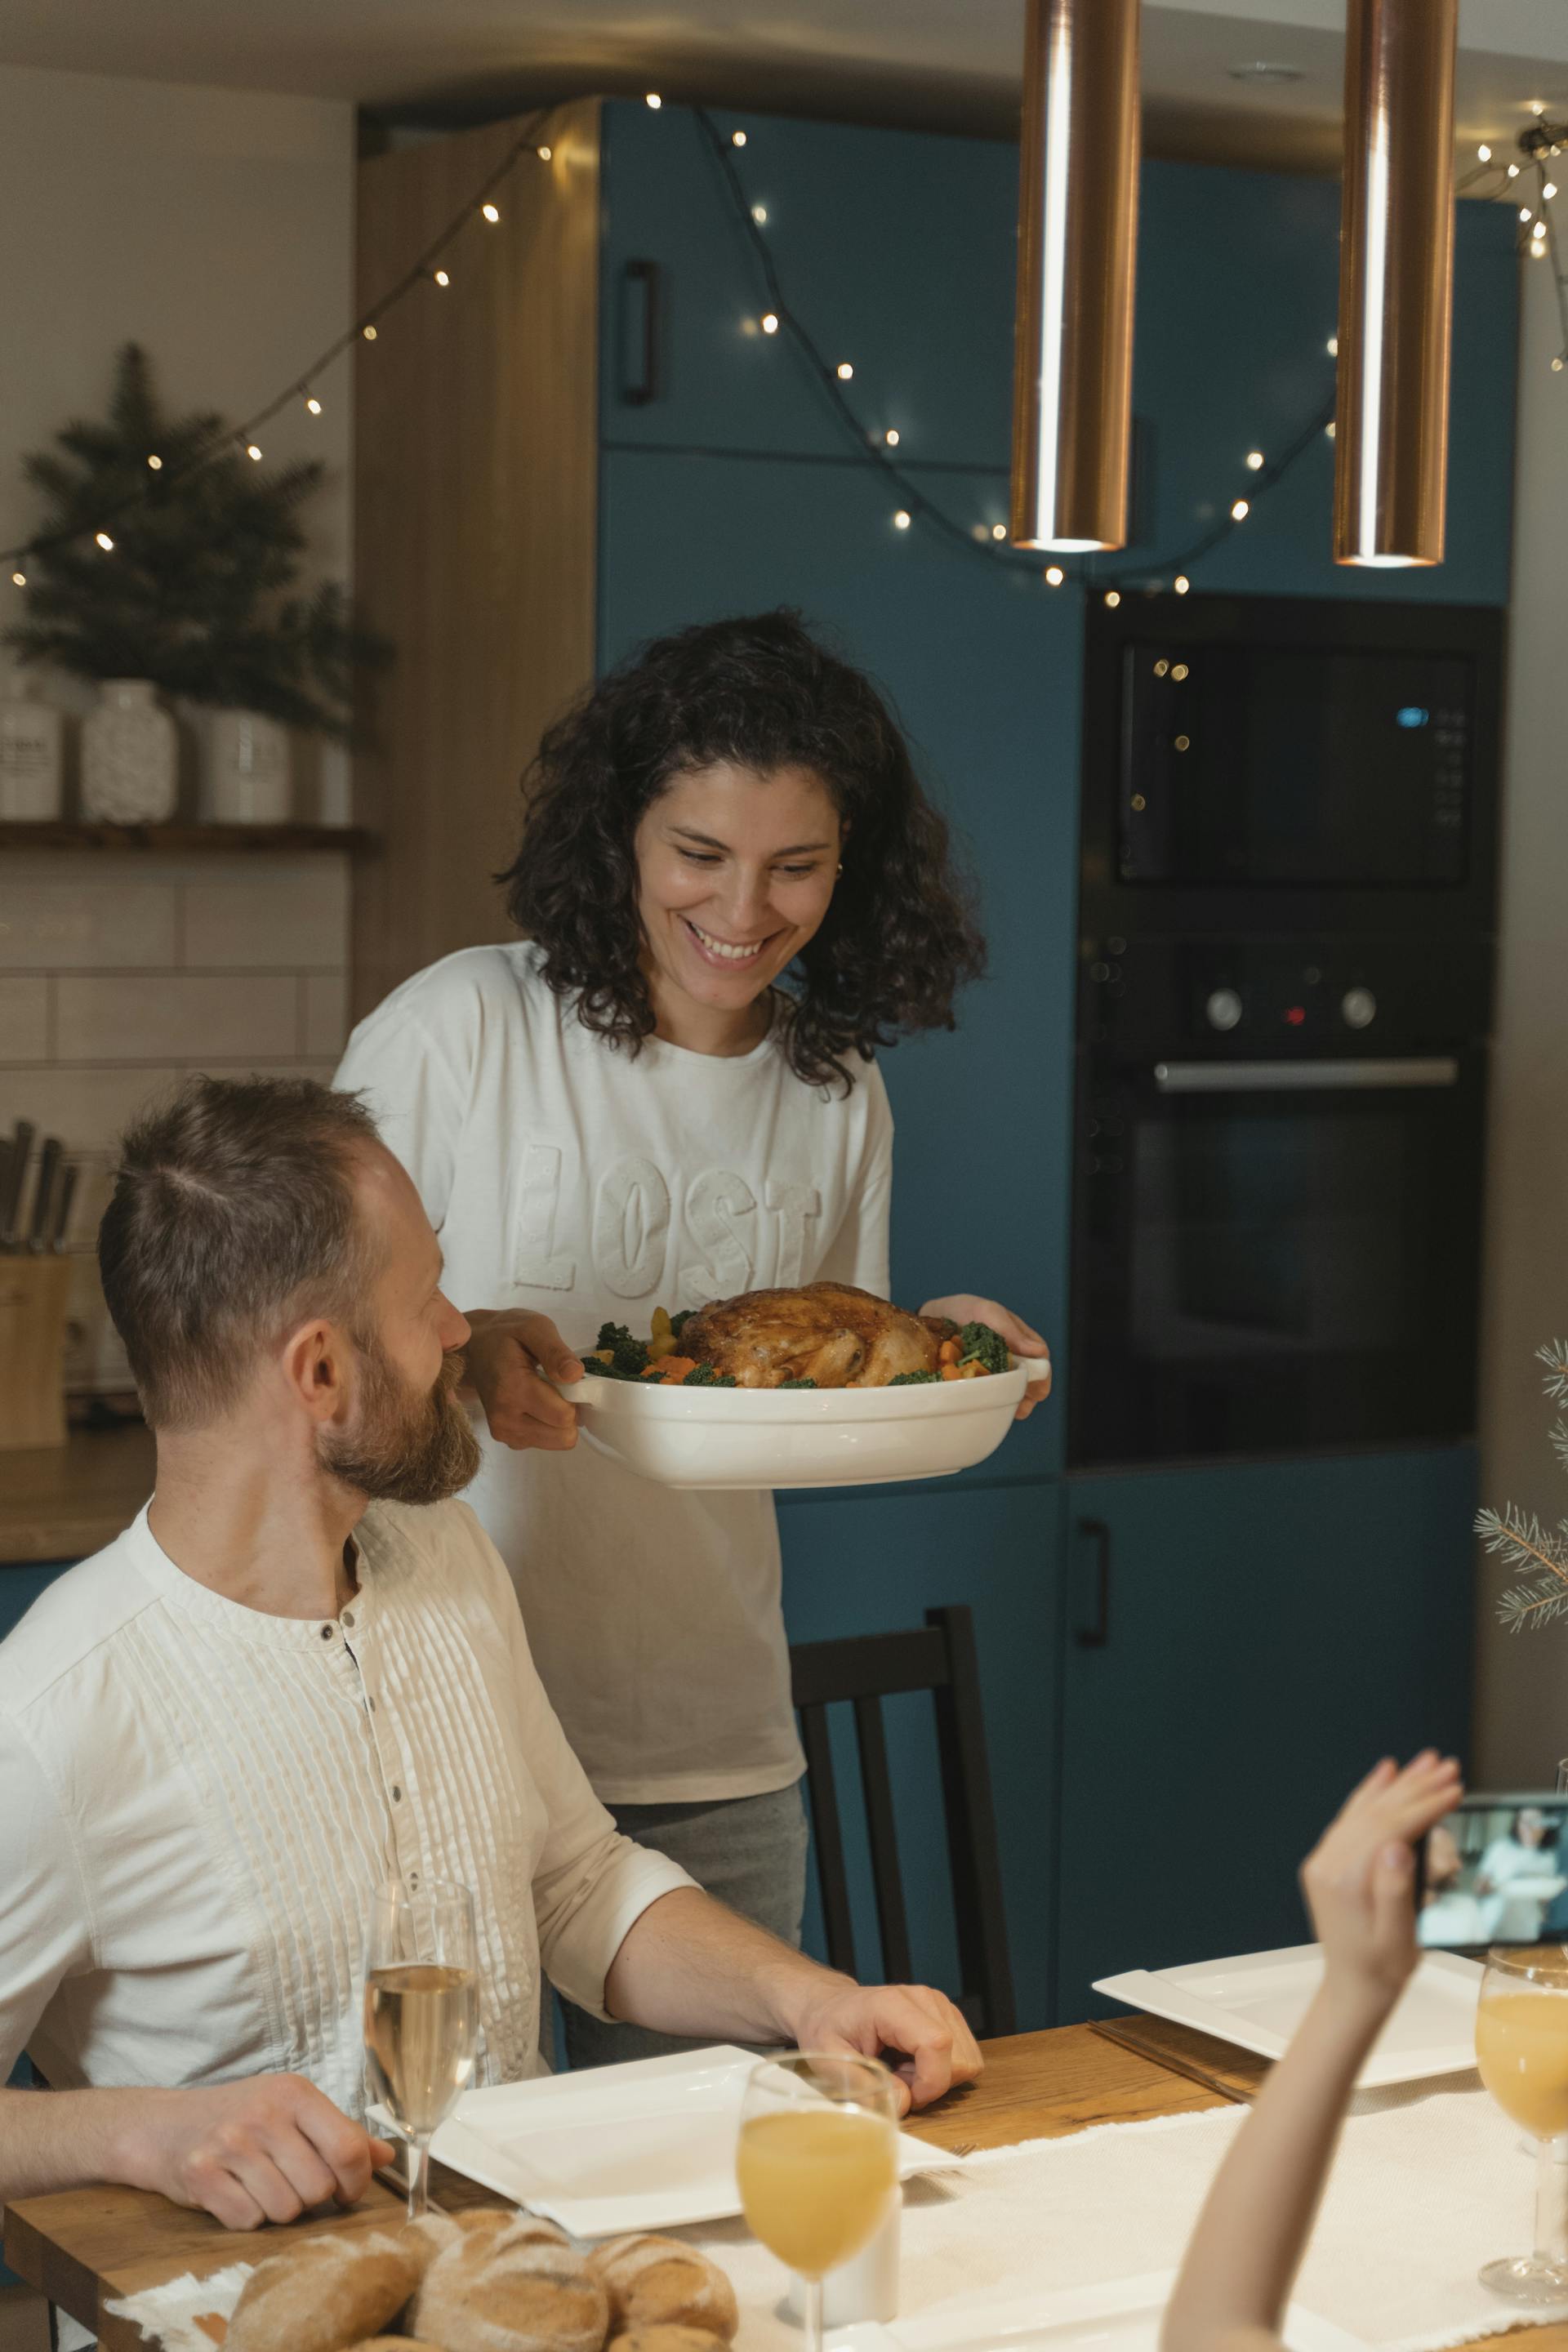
266,2151
916,2031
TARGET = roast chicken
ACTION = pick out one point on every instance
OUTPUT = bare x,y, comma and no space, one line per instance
827,1332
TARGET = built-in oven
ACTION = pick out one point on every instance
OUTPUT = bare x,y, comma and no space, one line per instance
1284,1003
1276,1240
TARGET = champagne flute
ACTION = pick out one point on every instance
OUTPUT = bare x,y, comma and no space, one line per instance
817,2163
1522,2049
421,2013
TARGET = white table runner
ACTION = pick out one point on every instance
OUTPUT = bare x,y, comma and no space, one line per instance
1429,2184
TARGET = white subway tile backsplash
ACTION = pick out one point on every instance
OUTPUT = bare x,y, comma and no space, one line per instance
326,1012
291,918
24,1019
185,1017
102,921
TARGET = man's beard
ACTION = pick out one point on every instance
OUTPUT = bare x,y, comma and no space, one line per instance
404,1446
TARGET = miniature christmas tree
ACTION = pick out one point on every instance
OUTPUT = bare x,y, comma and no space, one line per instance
1537,1555
197,592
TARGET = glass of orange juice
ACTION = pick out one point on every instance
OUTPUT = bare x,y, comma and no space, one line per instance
817,2163
1522,2049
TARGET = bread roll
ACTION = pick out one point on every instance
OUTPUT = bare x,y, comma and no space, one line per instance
323,2294
518,2287
392,2343
666,2338
653,2281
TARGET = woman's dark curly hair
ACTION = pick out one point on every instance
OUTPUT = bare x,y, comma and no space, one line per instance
898,939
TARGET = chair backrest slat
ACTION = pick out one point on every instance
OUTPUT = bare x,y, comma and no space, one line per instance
863,1671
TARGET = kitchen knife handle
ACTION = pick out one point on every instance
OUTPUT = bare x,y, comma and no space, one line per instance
63,1206
50,1159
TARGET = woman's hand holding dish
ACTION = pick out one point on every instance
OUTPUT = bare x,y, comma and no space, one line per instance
1021,1338
512,1356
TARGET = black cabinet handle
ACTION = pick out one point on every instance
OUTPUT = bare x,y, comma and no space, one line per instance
1096,1633
640,306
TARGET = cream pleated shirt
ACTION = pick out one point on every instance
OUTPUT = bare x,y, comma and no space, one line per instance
198,1801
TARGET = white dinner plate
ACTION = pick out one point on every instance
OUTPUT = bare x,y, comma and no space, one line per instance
1257,2001
797,1437
649,2145
1123,2315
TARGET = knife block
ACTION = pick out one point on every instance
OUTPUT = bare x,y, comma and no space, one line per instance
34,1295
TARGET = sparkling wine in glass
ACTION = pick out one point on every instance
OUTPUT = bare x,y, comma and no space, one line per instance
1522,2049
421,2013
817,2163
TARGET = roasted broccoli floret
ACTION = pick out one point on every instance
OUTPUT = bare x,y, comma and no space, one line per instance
703,1376
612,1334
678,1323
978,1343
628,1357
913,1380
797,1384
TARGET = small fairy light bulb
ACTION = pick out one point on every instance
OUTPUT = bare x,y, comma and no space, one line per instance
1484,153
1538,106
760,215
902,520
253,452
737,138
1329,428
1525,212
892,436
545,154
1255,461
491,212
1550,190
156,464
442,278
1557,364
998,531
312,403
770,322
103,540
1180,583
1240,510
1332,347
844,370
654,100
1054,575
1513,171
369,334
1114,598
18,579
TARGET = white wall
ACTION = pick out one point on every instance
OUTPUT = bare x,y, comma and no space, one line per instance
216,228
1522,1679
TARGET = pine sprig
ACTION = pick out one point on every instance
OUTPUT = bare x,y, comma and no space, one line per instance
1536,1555
198,592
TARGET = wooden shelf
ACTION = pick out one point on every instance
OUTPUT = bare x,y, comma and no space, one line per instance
177,840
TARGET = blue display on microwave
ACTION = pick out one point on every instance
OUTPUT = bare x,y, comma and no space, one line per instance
1413,715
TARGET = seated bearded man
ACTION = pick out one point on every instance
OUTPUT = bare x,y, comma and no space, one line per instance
302,1673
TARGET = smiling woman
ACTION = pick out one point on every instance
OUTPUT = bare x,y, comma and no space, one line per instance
734,892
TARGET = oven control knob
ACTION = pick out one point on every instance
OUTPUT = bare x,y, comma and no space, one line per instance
1224,1009
1358,1008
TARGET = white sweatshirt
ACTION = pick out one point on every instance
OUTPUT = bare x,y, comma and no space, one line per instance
564,1175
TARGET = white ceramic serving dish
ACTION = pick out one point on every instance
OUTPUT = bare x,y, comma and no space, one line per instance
649,2145
798,1437
1257,2001
1121,2316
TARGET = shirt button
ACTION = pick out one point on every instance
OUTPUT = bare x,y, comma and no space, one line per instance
396,1794
326,1632
348,1616
414,1881
373,1702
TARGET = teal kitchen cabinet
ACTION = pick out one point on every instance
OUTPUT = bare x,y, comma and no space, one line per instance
1240,1644
874,1560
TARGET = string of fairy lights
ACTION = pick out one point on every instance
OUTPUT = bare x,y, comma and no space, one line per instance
1539,144
913,504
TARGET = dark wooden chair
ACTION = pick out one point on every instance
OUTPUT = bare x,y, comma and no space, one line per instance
862,1672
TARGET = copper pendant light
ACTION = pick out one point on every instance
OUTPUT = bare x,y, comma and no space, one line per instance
1077,226
1396,282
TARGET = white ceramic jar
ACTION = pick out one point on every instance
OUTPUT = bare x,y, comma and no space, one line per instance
247,780
130,756
31,766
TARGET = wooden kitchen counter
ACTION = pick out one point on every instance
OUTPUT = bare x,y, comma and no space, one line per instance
62,1502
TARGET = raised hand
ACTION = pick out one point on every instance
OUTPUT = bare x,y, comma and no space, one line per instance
1358,1879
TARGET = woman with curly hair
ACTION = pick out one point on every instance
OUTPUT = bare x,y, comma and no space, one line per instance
732,893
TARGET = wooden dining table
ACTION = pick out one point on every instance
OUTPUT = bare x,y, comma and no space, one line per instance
85,2248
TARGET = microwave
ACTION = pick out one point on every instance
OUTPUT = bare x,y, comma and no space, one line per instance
1274,753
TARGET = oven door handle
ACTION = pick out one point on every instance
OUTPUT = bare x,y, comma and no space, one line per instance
1302,1077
